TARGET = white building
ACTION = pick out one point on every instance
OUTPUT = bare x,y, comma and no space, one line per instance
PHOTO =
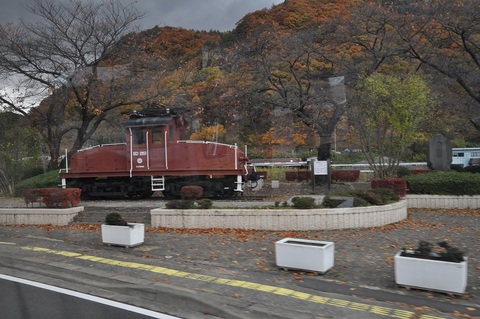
466,156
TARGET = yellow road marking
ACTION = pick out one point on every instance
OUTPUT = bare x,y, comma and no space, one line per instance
340,303
6,243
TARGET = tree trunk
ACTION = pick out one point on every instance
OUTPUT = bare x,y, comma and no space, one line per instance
324,148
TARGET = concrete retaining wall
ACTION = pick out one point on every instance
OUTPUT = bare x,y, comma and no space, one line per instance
443,201
281,219
38,216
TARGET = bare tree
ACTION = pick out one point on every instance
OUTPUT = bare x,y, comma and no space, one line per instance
69,54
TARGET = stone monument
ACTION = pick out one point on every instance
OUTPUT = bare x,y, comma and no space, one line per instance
439,153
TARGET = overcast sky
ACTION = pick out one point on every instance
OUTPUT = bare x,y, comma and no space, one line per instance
207,15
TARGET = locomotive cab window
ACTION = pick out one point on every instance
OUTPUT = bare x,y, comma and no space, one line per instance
139,136
157,135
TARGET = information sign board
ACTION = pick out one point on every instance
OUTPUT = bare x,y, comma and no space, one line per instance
320,167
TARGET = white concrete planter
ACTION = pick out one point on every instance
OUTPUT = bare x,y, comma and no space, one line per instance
128,236
280,219
305,254
436,275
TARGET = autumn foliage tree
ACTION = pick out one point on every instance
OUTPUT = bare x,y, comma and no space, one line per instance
387,115
215,133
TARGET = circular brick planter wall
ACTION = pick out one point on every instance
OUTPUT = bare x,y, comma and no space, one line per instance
281,219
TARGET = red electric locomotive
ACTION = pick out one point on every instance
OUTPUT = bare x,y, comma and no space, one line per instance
154,158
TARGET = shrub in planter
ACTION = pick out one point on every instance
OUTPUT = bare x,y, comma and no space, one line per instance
329,202
180,204
31,196
115,219
387,195
205,203
425,251
116,231
47,180
399,185
371,197
53,197
303,202
361,198
425,268
444,183
62,197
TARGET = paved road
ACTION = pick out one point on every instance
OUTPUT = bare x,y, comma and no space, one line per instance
233,276
22,299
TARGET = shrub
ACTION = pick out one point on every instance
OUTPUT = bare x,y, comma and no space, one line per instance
418,171
379,196
425,251
398,185
304,175
456,167
346,175
371,197
180,204
205,203
403,171
62,197
291,175
329,202
274,173
388,195
115,219
303,202
47,180
53,197
444,183
472,169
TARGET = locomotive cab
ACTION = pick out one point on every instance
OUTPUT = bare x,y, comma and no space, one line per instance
148,139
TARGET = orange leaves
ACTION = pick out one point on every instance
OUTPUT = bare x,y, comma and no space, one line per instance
261,266
389,260
209,133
